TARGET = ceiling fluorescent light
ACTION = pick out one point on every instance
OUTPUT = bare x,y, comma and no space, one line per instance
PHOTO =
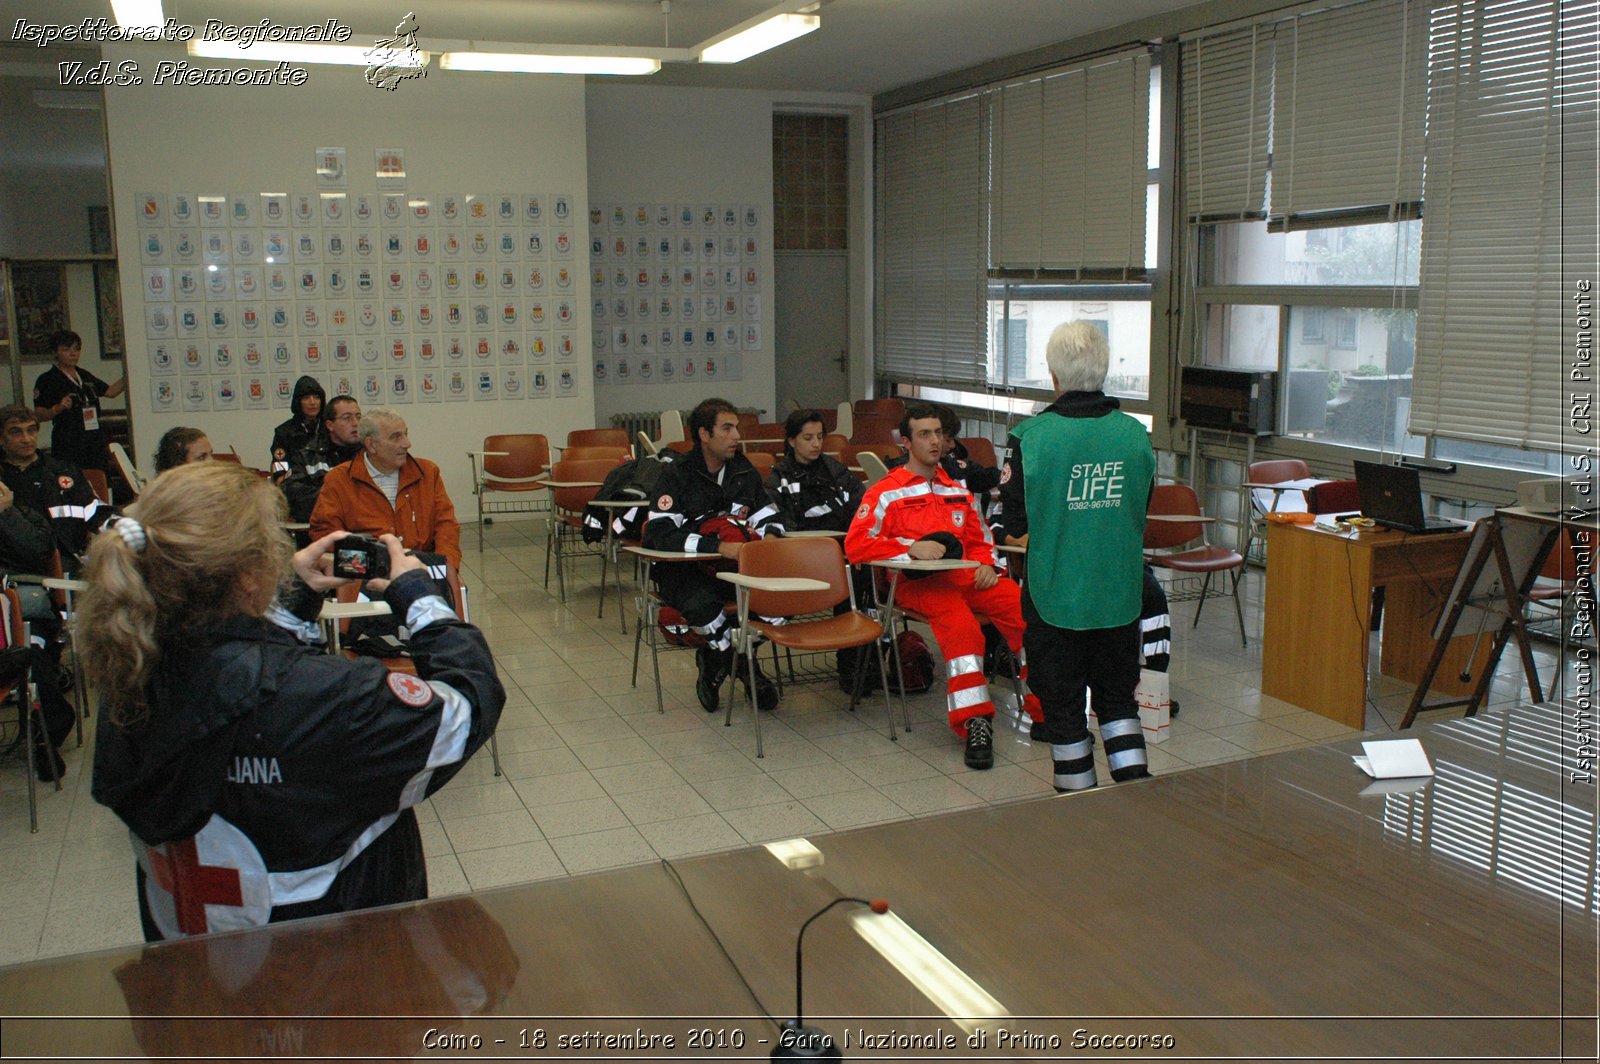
742,44
138,14
546,63
267,52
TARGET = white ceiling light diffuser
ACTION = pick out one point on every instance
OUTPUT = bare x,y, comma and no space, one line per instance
740,44
269,52
548,63
138,14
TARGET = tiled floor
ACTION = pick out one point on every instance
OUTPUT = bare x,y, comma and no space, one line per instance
596,778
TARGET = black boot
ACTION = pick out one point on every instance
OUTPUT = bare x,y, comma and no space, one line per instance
714,666
979,753
766,690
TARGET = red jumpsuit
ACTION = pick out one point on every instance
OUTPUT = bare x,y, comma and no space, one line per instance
903,508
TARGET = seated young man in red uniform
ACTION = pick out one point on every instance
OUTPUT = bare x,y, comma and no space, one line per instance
918,512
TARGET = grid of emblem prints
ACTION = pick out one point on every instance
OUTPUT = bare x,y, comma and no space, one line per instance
392,297
676,292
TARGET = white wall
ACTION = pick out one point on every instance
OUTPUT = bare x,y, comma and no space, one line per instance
650,144
462,133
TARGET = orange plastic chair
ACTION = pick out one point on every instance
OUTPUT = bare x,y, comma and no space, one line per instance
875,428
565,540
1167,542
587,452
517,471
598,438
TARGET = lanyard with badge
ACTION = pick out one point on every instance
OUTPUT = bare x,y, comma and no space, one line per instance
86,403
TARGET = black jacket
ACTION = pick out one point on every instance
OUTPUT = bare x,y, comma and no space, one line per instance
294,436
278,782
59,491
690,496
820,496
978,479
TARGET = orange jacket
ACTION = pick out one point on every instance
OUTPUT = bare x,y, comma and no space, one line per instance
422,516
904,507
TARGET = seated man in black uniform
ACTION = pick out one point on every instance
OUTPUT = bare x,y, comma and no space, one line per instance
711,501
337,443
45,505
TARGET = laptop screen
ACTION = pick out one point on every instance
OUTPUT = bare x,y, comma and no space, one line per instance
1390,494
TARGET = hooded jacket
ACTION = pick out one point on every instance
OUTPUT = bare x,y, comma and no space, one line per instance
819,495
298,433
271,781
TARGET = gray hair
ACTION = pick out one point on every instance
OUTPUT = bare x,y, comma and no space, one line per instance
1078,356
368,428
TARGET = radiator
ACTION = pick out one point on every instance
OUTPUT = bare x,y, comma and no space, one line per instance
647,422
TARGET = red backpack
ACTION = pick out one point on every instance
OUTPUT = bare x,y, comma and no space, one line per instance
916,662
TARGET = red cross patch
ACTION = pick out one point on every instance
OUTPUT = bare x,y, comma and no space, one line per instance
410,690
193,885
958,518
862,513
664,503
1005,474
65,482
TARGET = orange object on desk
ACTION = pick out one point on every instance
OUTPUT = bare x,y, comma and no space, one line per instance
1291,518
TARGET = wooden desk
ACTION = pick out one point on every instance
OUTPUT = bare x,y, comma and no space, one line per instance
1319,607
1263,909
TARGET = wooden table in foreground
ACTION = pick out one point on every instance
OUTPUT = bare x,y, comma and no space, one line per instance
1319,608
1273,908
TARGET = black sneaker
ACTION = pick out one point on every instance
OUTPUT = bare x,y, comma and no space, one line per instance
766,690
1172,707
980,743
47,762
713,670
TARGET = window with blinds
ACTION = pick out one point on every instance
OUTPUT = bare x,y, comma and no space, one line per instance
932,237
1227,123
1070,169
1349,90
1511,221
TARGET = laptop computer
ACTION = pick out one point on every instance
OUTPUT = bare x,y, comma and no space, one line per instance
1392,496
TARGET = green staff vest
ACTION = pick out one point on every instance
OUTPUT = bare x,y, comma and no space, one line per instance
1086,482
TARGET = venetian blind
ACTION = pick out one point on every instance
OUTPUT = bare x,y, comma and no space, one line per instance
1227,115
1070,167
1350,89
932,232
1511,218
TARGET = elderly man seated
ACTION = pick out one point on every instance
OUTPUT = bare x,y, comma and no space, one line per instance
385,488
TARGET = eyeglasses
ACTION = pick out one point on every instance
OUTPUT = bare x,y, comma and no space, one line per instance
348,417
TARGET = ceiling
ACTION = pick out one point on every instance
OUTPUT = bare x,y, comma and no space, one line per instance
864,46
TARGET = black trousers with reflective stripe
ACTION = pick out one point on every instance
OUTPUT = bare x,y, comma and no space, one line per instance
1154,604
1066,665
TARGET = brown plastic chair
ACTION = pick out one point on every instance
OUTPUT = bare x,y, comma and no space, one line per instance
97,483
834,444
588,452
851,455
875,428
1165,540
598,438
517,471
980,451
1333,497
1274,471
762,461
890,408
565,540
816,559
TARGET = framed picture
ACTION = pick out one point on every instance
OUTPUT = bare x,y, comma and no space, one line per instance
40,293
108,308
100,230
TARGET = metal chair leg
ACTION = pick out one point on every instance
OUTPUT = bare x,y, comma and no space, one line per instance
1238,610
549,545
1204,587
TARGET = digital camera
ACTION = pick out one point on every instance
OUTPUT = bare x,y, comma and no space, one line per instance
361,558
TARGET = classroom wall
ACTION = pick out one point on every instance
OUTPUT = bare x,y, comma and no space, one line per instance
479,134
664,145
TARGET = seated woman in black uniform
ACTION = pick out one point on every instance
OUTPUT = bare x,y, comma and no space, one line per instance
811,490
260,779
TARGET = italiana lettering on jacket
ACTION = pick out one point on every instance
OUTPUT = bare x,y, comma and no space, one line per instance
255,770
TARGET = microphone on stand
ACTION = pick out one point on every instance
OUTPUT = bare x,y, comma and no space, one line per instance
795,1038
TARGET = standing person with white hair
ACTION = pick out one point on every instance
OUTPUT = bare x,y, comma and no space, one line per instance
1077,483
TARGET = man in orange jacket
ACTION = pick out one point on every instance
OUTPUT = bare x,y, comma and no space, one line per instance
386,489
918,512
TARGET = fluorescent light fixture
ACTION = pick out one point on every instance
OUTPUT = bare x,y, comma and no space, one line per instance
742,44
955,993
548,63
796,853
67,99
268,52
138,14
